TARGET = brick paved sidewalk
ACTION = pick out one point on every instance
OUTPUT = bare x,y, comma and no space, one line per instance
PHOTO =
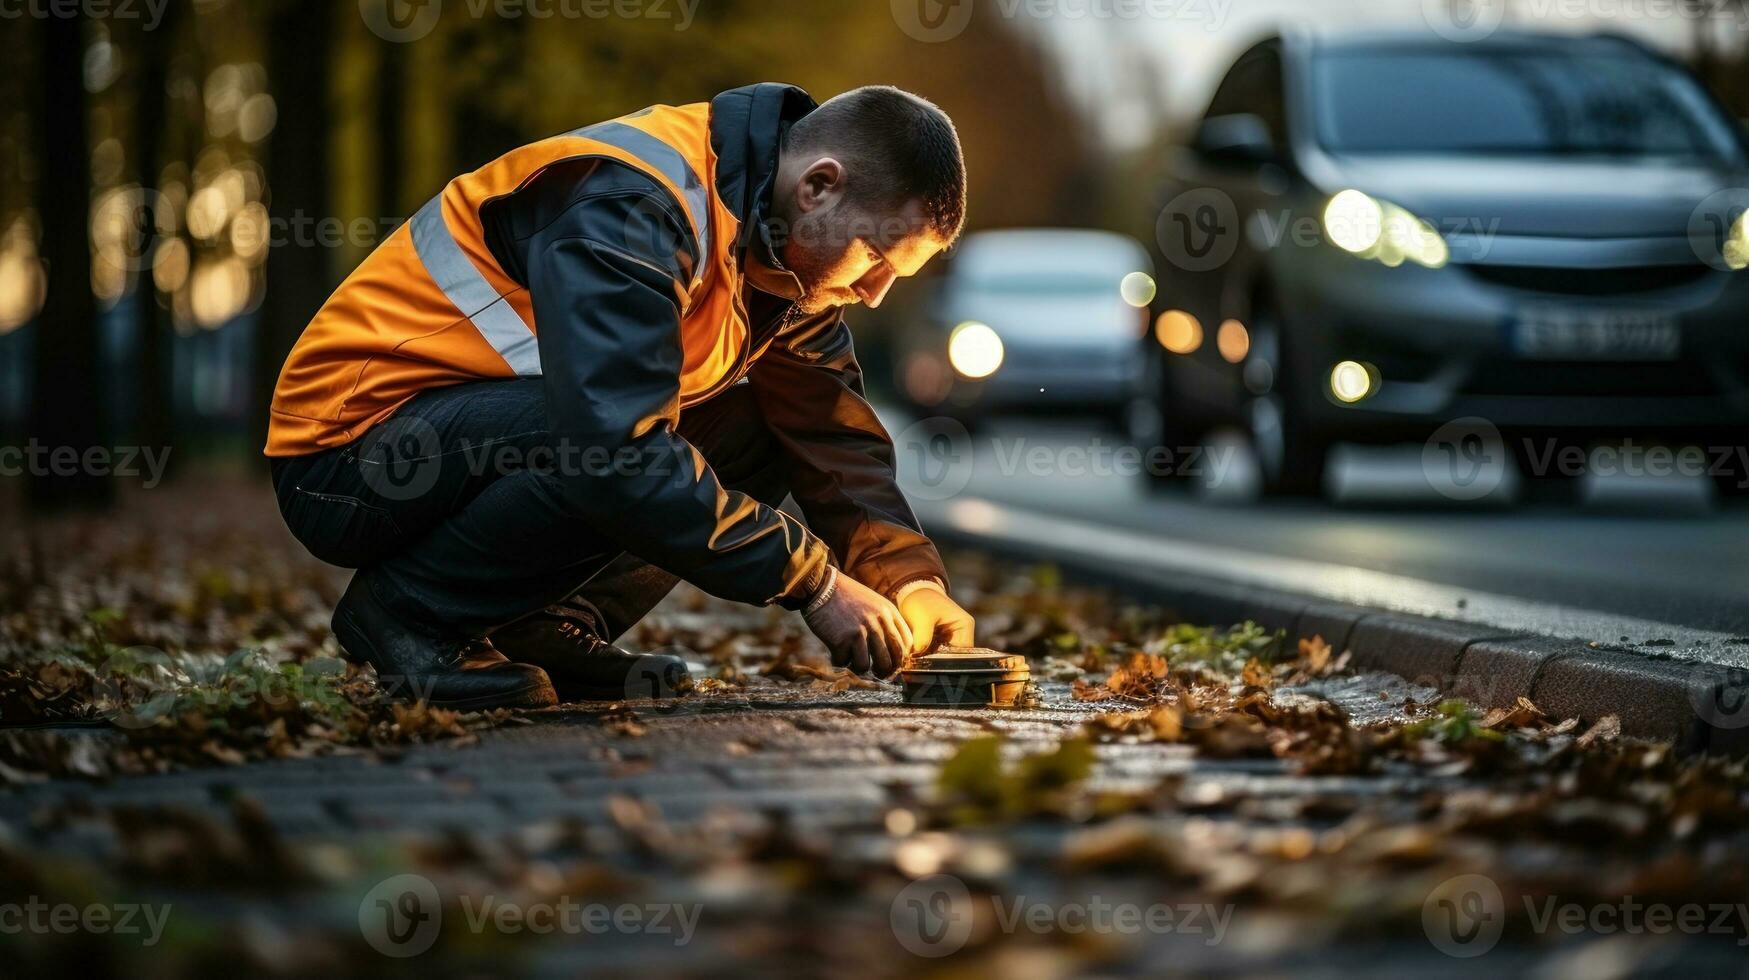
810,760
796,826
842,771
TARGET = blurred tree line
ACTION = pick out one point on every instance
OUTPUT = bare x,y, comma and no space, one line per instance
179,194
181,188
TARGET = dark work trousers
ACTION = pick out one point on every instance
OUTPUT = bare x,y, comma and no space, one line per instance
449,512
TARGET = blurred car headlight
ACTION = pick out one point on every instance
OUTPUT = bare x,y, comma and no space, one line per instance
1137,289
1363,225
974,350
1351,381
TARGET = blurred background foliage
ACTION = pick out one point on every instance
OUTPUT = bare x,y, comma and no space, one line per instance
232,124
213,168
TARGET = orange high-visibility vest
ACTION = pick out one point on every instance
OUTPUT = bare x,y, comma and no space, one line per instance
431,306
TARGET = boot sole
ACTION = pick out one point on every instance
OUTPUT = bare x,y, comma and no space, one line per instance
534,696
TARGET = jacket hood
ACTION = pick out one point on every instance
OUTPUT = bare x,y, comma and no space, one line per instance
747,128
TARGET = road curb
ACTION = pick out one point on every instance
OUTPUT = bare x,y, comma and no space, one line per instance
1695,706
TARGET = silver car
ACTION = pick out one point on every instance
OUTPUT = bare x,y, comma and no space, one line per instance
1537,239
1032,319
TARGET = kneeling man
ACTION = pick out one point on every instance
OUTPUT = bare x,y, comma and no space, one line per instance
599,364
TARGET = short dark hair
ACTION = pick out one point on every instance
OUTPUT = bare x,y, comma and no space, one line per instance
904,142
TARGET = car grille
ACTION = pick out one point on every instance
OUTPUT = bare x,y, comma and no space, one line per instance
1591,282
1667,379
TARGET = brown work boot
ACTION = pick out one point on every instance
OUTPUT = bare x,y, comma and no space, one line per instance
413,665
585,667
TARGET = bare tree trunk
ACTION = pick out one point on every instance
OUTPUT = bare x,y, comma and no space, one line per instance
67,417
391,113
299,270
156,419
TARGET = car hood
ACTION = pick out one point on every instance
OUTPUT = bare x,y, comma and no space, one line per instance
1066,320
1543,197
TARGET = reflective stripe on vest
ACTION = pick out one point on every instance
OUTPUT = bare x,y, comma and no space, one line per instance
461,281
667,161
492,315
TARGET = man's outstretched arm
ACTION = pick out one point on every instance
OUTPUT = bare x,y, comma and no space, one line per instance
842,473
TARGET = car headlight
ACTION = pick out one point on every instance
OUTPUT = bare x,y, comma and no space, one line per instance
1137,289
974,350
1351,381
1373,229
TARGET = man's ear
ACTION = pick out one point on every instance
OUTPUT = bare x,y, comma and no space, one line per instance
821,184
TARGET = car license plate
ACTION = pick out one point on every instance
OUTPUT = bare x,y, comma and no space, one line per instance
1559,333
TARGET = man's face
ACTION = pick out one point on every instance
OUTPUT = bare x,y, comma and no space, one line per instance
845,254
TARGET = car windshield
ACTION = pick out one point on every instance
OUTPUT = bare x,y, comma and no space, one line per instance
1045,281
1523,101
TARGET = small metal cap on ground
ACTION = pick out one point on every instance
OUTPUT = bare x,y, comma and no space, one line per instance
967,678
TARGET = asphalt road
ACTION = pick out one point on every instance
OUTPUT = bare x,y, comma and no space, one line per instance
1655,550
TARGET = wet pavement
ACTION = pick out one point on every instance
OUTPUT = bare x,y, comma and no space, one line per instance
790,827
1622,548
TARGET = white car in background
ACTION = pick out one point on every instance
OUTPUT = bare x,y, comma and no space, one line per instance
1030,320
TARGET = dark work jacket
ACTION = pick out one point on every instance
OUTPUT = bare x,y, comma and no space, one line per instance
606,271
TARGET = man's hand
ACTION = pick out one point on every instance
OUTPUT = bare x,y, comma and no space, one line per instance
935,619
861,628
